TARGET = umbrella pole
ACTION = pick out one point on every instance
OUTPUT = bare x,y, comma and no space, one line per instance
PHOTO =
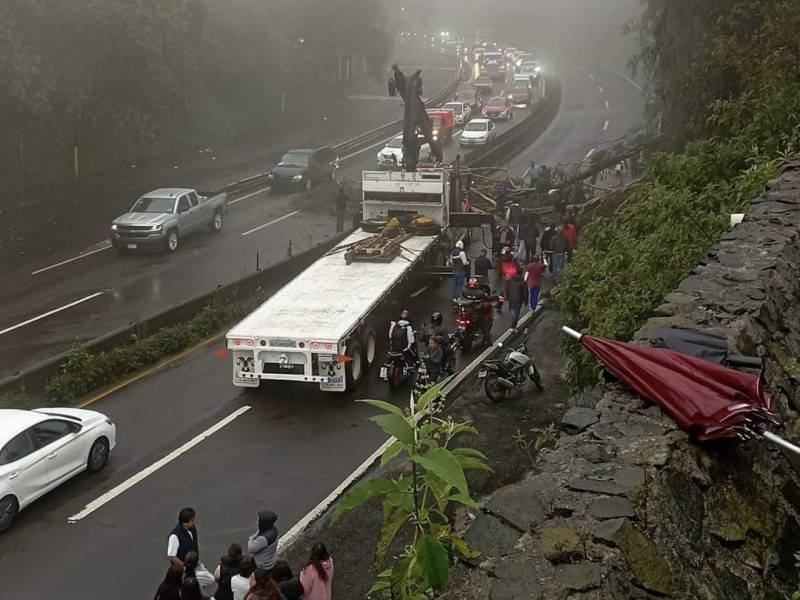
571,332
776,439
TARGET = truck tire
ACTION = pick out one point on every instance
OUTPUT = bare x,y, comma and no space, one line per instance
216,222
171,243
369,342
354,369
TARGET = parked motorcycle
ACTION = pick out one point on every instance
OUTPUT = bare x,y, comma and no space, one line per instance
509,371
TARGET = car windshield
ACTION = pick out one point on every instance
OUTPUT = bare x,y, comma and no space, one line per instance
520,87
294,159
483,81
396,143
475,126
164,206
497,101
456,108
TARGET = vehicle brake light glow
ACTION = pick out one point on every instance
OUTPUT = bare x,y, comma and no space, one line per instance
328,346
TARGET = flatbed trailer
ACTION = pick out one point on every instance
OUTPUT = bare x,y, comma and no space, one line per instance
320,327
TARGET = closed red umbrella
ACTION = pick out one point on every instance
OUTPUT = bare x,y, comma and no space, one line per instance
706,400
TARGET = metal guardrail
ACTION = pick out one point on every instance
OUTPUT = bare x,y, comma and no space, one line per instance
363,140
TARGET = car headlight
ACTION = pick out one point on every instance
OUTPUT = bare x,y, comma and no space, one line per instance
538,69
297,178
114,227
270,175
156,228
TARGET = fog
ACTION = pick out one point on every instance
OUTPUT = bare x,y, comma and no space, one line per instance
556,29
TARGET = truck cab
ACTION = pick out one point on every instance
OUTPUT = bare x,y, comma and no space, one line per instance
443,123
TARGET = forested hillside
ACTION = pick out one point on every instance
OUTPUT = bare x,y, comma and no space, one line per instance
725,85
134,78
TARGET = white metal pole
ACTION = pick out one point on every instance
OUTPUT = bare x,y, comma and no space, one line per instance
776,439
571,332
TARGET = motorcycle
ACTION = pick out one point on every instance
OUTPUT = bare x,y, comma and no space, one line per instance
397,369
509,372
451,345
468,324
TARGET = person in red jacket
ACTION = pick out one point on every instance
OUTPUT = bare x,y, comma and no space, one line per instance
570,233
533,277
507,268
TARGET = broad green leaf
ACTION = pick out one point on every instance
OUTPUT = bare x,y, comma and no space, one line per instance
445,466
473,464
395,426
462,499
396,448
385,406
371,488
392,523
434,561
470,452
464,428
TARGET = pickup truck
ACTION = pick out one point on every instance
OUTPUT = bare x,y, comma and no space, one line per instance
159,219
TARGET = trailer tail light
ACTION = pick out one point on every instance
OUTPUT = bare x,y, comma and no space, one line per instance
301,344
238,342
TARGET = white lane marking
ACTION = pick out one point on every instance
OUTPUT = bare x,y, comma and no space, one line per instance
50,313
291,536
626,78
73,259
256,193
591,77
143,474
278,220
600,87
606,103
605,126
589,154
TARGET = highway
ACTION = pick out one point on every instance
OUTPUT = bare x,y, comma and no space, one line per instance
70,296
282,447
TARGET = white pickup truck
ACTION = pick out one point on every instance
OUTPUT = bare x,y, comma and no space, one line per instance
320,327
159,219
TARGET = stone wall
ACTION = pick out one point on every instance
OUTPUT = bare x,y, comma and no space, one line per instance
626,506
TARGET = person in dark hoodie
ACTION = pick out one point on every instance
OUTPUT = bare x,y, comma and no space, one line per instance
228,567
288,583
263,544
517,297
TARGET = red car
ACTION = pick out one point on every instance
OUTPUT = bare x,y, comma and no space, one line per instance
499,107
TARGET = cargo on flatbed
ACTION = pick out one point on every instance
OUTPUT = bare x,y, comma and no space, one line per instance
320,327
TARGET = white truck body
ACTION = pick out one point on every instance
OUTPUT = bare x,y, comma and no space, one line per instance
316,328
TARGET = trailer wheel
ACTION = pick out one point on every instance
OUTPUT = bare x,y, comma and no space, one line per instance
370,342
354,368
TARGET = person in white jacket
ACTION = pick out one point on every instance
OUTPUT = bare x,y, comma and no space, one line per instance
194,568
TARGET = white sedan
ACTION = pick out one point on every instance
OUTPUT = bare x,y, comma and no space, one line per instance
40,449
392,154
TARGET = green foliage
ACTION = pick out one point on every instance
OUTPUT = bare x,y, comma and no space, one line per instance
419,501
542,436
84,372
130,80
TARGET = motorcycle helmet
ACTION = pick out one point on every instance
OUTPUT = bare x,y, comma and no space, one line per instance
405,315
472,283
437,319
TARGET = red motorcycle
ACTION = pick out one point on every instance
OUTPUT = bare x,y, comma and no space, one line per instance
468,323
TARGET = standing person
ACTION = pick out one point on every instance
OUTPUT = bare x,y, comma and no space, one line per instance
317,575
505,237
183,537
547,246
289,585
500,196
170,588
508,268
482,265
341,208
517,296
263,587
194,568
228,567
460,262
263,544
571,235
529,233
190,590
559,248
532,174
433,362
514,218
240,583
533,279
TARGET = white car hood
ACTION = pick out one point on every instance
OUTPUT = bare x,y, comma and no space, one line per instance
474,135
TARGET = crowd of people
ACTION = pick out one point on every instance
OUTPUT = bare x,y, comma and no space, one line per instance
256,575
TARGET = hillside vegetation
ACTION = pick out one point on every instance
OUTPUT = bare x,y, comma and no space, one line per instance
725,83
129,80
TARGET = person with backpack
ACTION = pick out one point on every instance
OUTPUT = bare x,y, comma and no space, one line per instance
402,339
228,567
460,263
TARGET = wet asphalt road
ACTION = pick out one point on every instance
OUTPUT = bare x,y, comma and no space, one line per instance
103,291
286,453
